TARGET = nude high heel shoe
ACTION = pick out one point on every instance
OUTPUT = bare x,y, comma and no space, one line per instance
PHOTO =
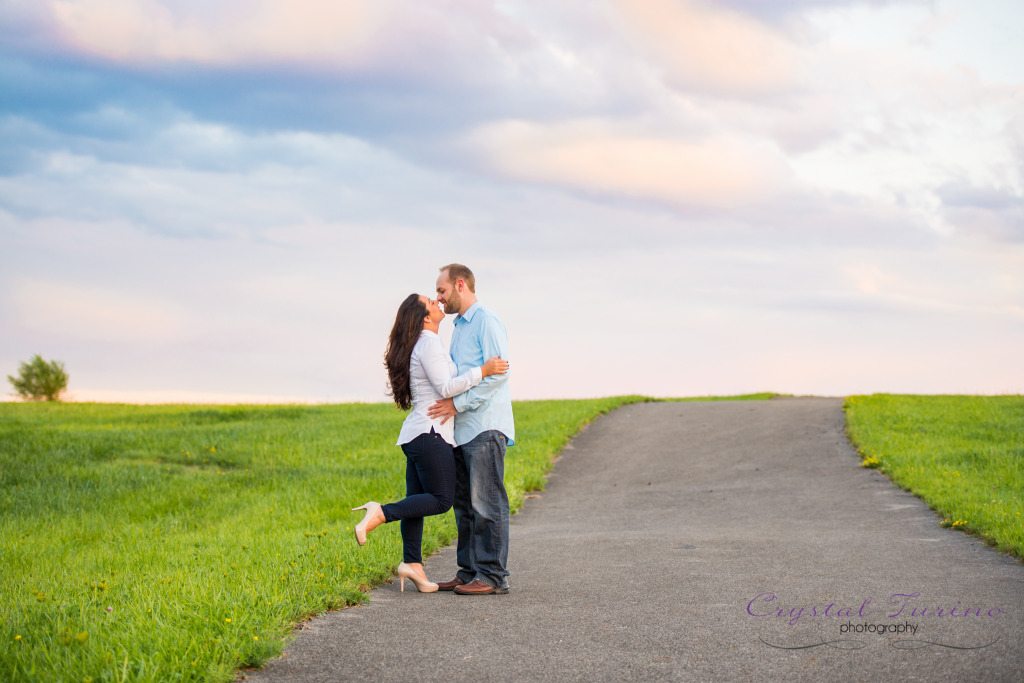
422,585
371,510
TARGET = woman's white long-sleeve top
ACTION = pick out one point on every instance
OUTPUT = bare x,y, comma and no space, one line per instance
432,377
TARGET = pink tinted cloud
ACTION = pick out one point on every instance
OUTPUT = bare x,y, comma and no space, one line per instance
147,30
386,35
710,47
607,159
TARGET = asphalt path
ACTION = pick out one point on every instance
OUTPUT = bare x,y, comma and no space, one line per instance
698,541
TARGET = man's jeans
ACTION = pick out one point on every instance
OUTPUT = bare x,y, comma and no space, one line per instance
481,509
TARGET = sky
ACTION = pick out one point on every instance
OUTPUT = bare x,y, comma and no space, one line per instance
227,202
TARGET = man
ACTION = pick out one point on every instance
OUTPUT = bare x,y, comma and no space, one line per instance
483,428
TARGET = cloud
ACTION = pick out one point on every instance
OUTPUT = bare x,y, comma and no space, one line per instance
182,177
782,9
997,213
713,48
986,198
227,33
603,159
900,137
341,36
394,72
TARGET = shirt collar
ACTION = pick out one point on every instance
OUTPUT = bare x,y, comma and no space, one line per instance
468,315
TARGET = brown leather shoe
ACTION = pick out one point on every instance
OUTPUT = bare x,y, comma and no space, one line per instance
478,587
449,585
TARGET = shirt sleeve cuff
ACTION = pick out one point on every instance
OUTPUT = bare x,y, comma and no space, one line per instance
478,374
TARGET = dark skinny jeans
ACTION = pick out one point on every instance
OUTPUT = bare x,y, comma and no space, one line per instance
429,489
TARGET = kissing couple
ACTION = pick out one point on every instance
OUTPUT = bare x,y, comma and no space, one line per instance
455,436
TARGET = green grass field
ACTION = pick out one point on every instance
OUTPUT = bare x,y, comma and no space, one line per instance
963,455
178,542
142,542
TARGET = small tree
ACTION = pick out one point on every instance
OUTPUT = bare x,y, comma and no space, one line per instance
38,380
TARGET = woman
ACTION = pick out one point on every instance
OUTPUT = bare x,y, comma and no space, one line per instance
419,373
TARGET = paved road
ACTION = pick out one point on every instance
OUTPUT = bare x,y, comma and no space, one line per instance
652,554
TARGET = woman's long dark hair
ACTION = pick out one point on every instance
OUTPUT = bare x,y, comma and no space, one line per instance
405,333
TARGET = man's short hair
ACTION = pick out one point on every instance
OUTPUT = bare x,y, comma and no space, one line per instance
457,271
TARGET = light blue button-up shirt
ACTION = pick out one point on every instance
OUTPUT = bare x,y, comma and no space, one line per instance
480,335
